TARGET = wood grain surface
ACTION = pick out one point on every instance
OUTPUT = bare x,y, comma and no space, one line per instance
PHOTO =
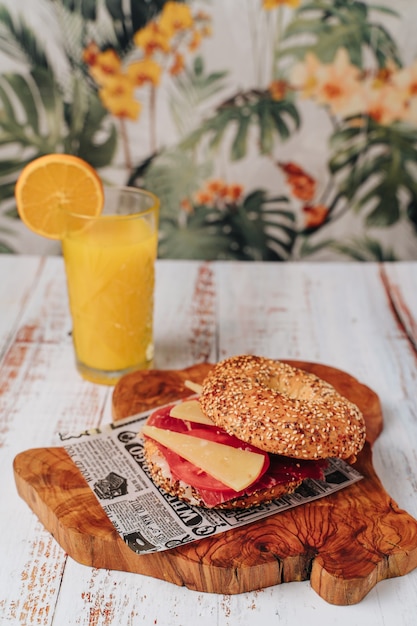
344,543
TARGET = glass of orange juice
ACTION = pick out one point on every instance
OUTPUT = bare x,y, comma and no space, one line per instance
110,269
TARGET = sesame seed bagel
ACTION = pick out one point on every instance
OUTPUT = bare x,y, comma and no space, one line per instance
282,409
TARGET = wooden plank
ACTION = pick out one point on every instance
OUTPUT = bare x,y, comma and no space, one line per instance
18,279
400,281
185,314
40,394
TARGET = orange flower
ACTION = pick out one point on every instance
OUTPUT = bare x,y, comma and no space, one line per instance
117,97
178,65
202,16
144,71
204,197
217,187
406,80
217,192
195,42
152,38
107,64
175,17
234,193
269,5
315,215
339,85
278,89
385,104
90,53
206,31
303,186
186,205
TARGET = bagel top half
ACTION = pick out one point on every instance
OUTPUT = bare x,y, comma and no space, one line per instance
282,409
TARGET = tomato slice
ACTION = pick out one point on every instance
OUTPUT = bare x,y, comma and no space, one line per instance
276,469
186,471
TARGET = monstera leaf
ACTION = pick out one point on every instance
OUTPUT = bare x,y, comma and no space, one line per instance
34,118
272,118
258,229
375,166
31,116
19,42
341,24
124,16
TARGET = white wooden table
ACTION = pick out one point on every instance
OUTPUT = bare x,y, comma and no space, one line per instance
361,318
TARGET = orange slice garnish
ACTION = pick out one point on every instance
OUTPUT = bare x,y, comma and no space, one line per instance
53,186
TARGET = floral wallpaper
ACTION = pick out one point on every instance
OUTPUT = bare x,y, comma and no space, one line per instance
275,130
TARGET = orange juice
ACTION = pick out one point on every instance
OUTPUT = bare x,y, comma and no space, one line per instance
109,264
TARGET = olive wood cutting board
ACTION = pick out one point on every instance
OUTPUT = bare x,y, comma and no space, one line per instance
344,543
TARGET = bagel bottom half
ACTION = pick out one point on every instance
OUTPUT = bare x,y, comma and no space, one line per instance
159,472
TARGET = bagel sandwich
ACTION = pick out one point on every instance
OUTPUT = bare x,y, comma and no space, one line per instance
256,430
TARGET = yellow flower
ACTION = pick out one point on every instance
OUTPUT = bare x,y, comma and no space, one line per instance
337,84
106,64
269,5
406,80
117,96
175,17
385,104
305,75
152,38
144,71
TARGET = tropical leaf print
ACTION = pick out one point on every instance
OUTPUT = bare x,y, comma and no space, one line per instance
355,248
40,114
190,90
253,228
125,18
341,24
376,166
19,42
273,119
325,72
47,124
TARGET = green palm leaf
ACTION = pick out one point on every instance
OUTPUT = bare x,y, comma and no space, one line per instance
375,170
260,228
365,249
272,119
342,24
189,91
18,41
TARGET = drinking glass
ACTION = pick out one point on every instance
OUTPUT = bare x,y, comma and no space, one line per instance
110,269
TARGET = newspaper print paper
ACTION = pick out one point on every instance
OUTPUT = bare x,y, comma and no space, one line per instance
148,519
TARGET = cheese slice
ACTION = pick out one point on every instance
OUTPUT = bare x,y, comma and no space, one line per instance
190,410
193,386
235,468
